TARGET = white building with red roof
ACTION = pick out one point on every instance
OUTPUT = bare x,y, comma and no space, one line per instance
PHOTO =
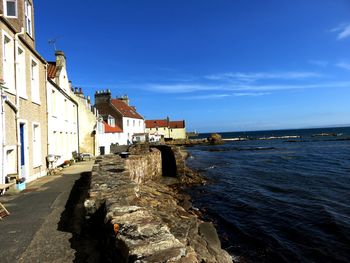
121,121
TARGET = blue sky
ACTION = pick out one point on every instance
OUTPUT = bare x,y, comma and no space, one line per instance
223,65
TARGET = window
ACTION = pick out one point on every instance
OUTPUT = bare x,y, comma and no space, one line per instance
11,167
100,127
10,7
111,121
28,17
8,63
36,145
21,73
127,123
34,75
133,123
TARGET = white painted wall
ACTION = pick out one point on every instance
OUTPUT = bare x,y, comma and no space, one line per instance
131,126
62,124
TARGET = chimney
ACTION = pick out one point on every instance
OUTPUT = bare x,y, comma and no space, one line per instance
80,91
103,96
125,99
60,59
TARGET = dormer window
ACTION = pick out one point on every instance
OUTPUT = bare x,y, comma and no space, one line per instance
28,17
10,7
111,121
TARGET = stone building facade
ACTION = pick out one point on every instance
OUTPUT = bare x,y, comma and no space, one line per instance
87,123
23,76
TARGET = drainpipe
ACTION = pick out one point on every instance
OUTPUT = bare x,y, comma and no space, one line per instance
17,101
2,179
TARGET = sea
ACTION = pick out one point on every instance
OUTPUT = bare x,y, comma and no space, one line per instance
277,196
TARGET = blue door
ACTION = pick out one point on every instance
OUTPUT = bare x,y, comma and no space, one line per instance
23,159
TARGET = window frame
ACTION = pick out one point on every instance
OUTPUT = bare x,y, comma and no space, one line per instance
35,97
6,10
8,70
22,75
28,16
36,141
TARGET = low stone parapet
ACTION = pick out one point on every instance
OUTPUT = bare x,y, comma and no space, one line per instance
143,219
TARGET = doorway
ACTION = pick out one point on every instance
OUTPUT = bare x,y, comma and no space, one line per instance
22,131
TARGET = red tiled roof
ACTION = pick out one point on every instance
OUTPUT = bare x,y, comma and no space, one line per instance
177,124
156,123
110,129
125,110
51,70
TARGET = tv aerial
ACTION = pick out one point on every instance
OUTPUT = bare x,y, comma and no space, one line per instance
52,42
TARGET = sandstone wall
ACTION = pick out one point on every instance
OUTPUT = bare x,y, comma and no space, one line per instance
147,166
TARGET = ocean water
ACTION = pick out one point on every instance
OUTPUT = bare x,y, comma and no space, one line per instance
279,200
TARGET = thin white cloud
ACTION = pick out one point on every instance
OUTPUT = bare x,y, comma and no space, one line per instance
206,97
343,31
256,76
179,88
343,65
243,94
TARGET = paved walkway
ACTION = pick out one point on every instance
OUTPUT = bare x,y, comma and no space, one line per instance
40,226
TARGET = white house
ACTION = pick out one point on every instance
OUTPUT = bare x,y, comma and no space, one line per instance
109,133
118,113
62,112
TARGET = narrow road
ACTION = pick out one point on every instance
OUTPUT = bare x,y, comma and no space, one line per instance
45,219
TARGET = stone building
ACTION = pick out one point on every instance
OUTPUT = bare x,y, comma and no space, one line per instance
119,115
87,123
22,74
62,111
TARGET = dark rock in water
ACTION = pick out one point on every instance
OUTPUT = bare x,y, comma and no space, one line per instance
215,139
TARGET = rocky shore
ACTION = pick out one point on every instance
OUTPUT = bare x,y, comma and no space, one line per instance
142,217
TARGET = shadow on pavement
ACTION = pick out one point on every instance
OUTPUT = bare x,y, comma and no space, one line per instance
85,240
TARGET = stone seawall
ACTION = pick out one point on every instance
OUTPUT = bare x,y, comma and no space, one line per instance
141,217
147,166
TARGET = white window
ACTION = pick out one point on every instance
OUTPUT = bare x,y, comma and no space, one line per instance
34,75
21,73
8,63
28,17
36,145
111,121
100,127
11,167
10,7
